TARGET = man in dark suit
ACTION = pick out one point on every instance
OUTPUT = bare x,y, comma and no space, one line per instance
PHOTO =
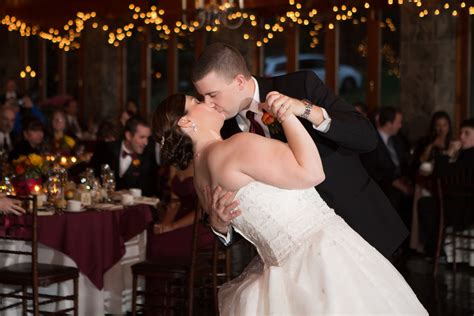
221,76
388,163
7,122
132,158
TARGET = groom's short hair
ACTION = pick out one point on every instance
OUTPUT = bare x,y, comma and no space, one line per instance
222,58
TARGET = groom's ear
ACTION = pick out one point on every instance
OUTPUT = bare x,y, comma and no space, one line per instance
240,79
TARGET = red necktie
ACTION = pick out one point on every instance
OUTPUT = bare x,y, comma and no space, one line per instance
255,127
125,154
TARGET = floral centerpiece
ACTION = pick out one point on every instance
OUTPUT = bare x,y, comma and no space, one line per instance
28,173
63,146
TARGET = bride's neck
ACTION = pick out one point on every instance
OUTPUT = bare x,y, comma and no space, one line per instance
205,140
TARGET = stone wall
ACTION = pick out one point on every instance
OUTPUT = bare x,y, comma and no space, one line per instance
427,68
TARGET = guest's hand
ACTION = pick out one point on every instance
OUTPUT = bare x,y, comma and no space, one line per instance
453,149
163,228
403,185
11,206
221,207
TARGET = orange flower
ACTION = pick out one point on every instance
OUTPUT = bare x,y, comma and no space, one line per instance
136,162
267,119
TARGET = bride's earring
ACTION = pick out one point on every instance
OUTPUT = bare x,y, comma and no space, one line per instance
194,127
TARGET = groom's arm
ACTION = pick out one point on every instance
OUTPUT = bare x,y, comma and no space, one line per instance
337,120
221,209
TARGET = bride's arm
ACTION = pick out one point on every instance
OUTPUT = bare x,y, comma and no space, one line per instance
295,165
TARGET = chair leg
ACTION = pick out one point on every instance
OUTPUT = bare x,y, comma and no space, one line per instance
24,301
439,242
76,296
454,251
134,295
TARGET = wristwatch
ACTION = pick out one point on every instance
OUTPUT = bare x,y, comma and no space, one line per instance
307,108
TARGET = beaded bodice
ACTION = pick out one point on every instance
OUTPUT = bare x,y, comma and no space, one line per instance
278,221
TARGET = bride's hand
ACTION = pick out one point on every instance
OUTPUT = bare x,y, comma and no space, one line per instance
221,208
282,106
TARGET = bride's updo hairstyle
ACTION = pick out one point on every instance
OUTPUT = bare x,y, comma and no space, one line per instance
176,146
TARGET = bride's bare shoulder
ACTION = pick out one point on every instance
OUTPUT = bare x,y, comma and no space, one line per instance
231,145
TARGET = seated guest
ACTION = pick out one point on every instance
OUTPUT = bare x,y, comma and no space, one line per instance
172,236
388,163
173,233
26,111
11,94
437,141
33,134
458,157
7,121
132,158
73,127
59,142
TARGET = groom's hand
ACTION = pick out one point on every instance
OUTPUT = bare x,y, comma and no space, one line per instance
221,207
281,106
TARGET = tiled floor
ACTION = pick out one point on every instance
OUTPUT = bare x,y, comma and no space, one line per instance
444,295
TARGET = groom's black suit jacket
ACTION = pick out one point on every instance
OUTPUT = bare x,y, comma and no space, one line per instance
347,188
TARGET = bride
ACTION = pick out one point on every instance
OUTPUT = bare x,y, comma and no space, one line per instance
310,261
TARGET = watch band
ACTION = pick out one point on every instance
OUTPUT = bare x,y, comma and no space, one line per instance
307,108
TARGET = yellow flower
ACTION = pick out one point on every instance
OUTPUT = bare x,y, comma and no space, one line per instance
69,141
35,160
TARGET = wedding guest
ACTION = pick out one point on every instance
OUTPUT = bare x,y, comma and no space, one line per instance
33,134
388,163
73,127
458,157
175,226
11,94
9,206
60,142
7,121
132,158
436,141
27,110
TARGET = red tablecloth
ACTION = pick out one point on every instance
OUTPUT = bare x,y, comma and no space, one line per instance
93,239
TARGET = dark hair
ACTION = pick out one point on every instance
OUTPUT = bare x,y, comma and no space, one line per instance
132,124
387,114
33,124
176,145
221,58
468,123
109,128
436,117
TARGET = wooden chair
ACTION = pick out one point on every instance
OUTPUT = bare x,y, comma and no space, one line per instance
182,284
455,201
31,275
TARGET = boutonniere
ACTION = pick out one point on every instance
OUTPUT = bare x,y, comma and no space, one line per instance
136,162
271,122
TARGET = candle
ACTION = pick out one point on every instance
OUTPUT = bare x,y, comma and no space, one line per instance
183,5
241,4
36,189
199,4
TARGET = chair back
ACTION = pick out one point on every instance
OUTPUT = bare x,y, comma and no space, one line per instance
22,228
455,198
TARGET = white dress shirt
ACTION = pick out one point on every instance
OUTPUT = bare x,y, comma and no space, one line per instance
5,137
125,162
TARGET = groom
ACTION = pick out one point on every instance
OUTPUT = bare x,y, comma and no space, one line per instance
222,78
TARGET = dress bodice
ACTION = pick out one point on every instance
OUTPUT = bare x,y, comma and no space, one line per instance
278,221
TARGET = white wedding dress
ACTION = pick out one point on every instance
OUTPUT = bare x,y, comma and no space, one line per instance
310,262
